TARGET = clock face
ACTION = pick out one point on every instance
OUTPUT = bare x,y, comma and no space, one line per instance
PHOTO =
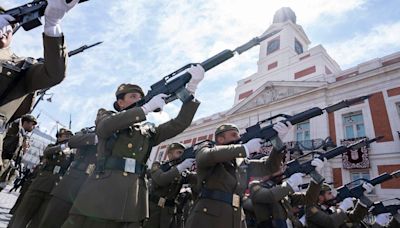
298,47
273,45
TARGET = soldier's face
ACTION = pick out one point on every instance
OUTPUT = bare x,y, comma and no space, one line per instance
129,99
28,126
228,137
6,38
175,154
327,196
64,137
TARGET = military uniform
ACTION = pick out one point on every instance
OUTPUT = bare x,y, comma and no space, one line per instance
317,217
117,195
392,224
165,187
64,193
37,197
273,203
222,178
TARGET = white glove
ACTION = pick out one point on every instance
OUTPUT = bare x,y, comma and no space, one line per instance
156,102
64,146
185,164
252,146
55,11
294,181
319,164
197,73
5,25
282,129
346,204
303,220
382,219
368,187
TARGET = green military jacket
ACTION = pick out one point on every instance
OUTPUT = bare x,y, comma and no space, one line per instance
12,141
18,99
54,164
316,217
220,168
114,194
85,158
166,185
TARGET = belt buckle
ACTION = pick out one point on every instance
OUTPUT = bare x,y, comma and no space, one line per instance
56,169
130,165
236,200
161,202
90,169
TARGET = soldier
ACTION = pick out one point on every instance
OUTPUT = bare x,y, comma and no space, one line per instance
64,193
116,194
57,159
273,201
320,214
165,187
16,90
222,178
14,141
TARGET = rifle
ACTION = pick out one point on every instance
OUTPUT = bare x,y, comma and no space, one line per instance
267,132
29,15
175,88
42,92
294,166
189,152
358,191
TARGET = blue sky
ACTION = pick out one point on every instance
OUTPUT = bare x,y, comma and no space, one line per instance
145,40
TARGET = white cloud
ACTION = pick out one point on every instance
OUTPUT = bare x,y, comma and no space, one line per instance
378,41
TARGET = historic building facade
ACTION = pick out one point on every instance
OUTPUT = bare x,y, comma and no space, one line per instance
293,77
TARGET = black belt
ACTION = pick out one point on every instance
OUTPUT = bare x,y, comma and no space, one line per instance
114,163
160,201
79,165
225,197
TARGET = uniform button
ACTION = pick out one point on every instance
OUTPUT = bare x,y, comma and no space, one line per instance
8,73
130,145
141,148
125,174
97,176
240,154
58,160
137,118
235,209
134,154
56,183
87,142
204,209
60,178
176,178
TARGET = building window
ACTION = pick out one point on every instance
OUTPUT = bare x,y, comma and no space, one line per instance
298,47
273,45
303,131
356,175
353,124
398,108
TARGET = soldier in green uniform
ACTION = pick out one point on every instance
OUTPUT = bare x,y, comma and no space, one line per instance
165,187
320,214
64,193
13,142
222,176
273,201
116,195
16,90
57,158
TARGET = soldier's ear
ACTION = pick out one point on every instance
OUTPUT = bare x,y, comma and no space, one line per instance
220,139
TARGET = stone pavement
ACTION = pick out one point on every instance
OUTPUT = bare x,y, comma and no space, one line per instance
7,201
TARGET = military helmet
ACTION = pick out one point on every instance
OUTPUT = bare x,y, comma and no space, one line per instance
63,131
124,89
175,146
226,127
29,118
325,188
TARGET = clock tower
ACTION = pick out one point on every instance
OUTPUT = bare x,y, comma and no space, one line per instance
286,56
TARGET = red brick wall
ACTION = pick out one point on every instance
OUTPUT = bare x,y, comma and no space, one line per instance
332,128
393,92
272,65
245,94
394,183
380,117
304,72
337,177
